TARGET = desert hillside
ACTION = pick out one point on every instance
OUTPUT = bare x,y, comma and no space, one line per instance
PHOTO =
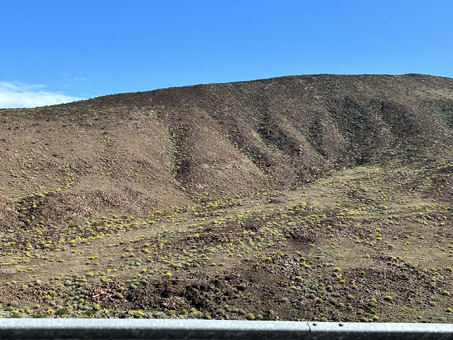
306,197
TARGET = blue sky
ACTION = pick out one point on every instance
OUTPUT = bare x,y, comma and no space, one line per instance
60,50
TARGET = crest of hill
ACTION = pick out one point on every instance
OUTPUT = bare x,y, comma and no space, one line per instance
129,153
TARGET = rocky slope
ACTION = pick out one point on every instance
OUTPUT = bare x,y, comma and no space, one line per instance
306,197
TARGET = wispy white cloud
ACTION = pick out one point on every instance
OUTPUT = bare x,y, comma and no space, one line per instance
16,94
80,79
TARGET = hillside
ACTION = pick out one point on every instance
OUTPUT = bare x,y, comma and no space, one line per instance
304,197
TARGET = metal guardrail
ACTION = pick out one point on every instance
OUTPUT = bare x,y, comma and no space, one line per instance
216,329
